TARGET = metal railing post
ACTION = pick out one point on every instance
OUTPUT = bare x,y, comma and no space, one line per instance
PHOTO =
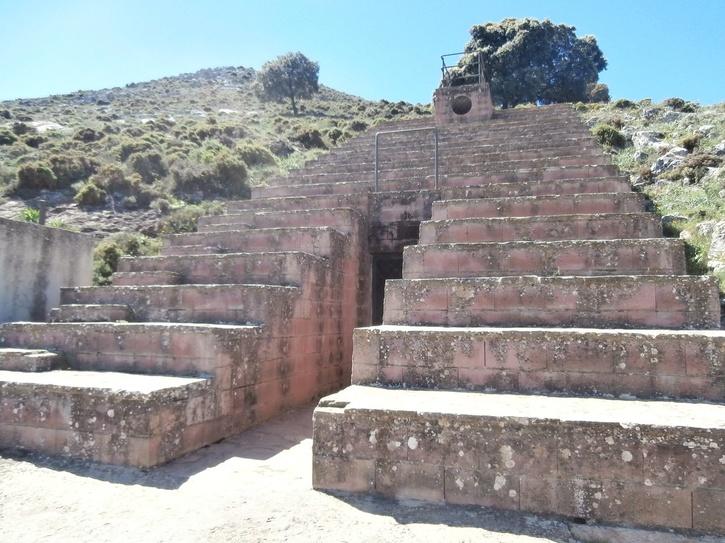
435,159
435,155
377,137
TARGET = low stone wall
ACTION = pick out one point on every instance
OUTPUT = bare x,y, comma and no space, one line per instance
35,262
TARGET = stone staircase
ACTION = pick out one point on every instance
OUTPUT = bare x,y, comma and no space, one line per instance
545,350
248,317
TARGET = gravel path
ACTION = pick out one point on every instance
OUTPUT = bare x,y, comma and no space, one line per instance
253,487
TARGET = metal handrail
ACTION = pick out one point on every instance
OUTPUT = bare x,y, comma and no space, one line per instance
435,156
447,78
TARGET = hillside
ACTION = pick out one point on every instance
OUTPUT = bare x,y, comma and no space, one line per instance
129,156
151,157
674,153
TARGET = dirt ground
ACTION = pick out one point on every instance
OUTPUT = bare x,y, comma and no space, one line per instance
254,487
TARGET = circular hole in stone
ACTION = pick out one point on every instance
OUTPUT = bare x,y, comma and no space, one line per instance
461,104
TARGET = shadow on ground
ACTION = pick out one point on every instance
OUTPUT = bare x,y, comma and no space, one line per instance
260,443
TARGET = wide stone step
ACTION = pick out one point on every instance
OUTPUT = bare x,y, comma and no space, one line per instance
92,312
545,174
548,135
529,206
313,189
482,152
29,360
526,186
650,463
484,131
343,220
353,201
242,304
551,146
319,240
186,250
146,277
542,228
116,418
292,268
538,188
451,169
641,363
659,256
157,348
644,301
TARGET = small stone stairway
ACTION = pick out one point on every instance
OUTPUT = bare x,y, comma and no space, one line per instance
231,325
545,350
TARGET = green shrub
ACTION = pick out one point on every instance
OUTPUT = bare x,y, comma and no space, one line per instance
335,135
162,205
109,251
90,195
149,165
609,136
34,141
129,190
69,169
358,125
690,142
309,138
131,146
7,137
675,103
20,129
111,178
623,103
255,155
88,135
30,214
694,167
59,223
36,176
186,219
221,176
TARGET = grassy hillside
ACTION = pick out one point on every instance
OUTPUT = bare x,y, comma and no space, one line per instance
674,153
152,157
119,159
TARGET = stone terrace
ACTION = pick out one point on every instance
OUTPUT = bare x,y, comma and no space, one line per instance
536,299
544,351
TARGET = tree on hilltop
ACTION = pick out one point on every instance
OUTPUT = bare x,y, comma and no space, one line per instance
527,60
291,76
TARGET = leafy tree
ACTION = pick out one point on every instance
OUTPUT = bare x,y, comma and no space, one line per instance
290,76
527,60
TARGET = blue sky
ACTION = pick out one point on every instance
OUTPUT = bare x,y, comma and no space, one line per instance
375,49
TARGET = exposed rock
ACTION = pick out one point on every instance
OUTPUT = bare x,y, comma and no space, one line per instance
711,175
716,254
705,129
650,113
719,149
705,228
645,138
640,156
281,148
671,116
45,126
672,158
